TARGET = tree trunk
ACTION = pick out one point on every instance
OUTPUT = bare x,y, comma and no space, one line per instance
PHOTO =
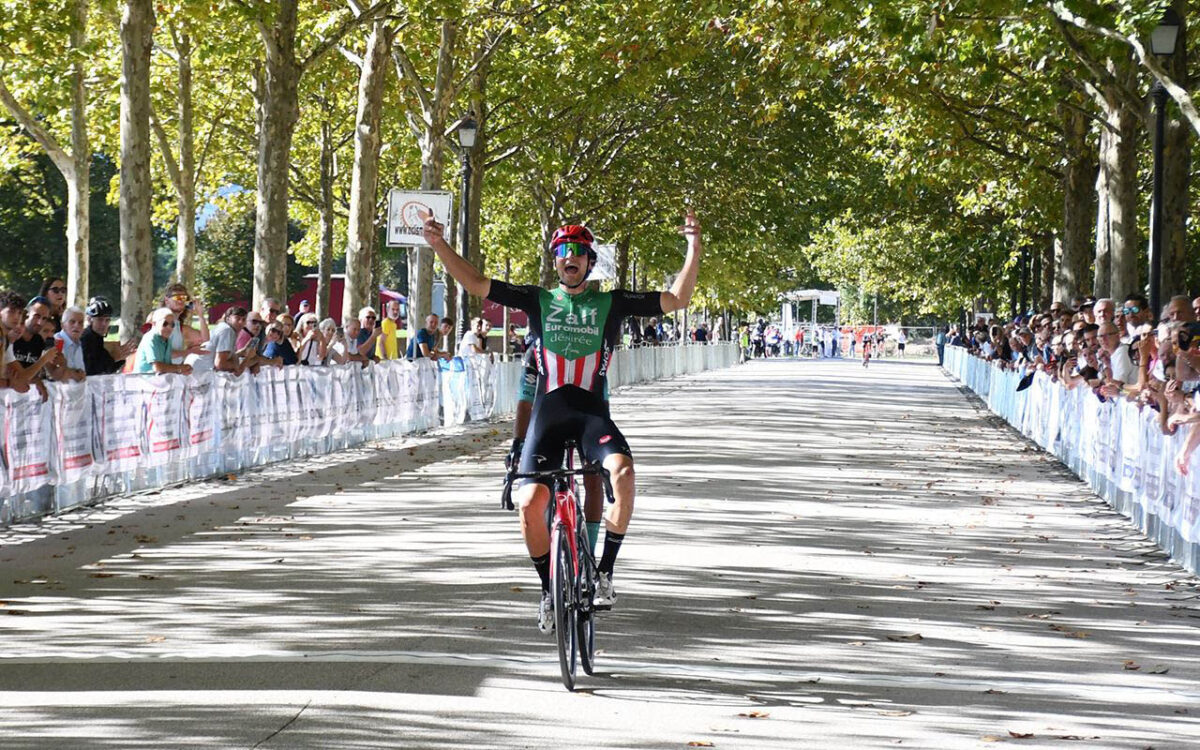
325,261
1104,241
364,183
79,183
137,261
1120,164
1072,252
1046,287
433,167
1177,165
623,262
280,109
185,230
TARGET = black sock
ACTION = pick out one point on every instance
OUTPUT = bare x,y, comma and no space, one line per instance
612,545
542,565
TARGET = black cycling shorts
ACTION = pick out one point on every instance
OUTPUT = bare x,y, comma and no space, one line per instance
569,413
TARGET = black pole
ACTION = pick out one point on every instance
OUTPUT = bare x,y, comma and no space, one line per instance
1159,93
464,239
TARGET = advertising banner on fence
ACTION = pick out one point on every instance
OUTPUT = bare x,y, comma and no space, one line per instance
27,439
72,405
120,413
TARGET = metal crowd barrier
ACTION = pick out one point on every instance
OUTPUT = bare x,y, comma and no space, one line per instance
118,434
1117,449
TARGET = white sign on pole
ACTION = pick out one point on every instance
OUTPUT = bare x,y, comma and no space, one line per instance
404,226
606,264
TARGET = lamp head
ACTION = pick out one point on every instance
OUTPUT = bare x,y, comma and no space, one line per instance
1166,34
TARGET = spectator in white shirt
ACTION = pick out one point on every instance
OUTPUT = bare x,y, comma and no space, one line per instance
72,350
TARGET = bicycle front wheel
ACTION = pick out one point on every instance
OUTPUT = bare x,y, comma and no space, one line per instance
564,608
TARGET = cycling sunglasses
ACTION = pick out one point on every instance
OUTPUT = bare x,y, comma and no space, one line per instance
571,250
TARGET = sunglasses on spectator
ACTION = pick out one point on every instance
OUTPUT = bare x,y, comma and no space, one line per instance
57,289
370,317
1133,310
168,323
274,310
253,322
180,297
310,323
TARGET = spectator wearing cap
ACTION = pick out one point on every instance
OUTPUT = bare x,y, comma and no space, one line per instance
55,290
69,342
99,356
154,351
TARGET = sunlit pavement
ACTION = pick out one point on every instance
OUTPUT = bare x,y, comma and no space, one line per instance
823,557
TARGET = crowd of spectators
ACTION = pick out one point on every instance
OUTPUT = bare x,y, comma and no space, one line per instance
1118,351
42,338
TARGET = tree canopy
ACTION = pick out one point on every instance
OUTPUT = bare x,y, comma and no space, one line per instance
919,151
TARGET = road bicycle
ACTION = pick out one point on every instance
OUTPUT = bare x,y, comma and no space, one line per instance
573,575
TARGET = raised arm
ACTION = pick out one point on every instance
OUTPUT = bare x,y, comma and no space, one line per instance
463,272
681,291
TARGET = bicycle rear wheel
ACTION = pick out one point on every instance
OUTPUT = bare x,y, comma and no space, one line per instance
585,616
564,608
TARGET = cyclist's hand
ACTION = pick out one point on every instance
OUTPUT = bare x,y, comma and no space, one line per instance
513,459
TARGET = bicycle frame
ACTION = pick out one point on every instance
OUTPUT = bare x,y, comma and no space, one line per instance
573,566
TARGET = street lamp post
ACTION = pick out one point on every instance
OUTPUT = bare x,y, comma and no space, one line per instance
466,130
1162,43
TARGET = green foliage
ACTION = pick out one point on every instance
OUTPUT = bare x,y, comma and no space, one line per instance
225,255
33,206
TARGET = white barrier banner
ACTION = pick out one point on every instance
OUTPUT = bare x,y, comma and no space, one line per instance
27,437
120,417
114,426
200,413
72,404
164,419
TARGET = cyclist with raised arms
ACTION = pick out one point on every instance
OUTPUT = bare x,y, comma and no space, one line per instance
576,330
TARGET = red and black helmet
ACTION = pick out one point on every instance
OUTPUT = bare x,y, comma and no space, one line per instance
572,233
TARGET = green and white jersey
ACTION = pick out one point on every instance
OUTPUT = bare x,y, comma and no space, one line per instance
576,333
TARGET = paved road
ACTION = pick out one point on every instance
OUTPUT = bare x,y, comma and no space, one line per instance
823,557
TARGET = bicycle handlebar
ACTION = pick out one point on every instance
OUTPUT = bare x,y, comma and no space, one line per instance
594,468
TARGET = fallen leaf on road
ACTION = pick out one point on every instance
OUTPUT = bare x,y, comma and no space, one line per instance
700,743
895,713
755,715
1132,665
1021,735
909,637
102,575
155,638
